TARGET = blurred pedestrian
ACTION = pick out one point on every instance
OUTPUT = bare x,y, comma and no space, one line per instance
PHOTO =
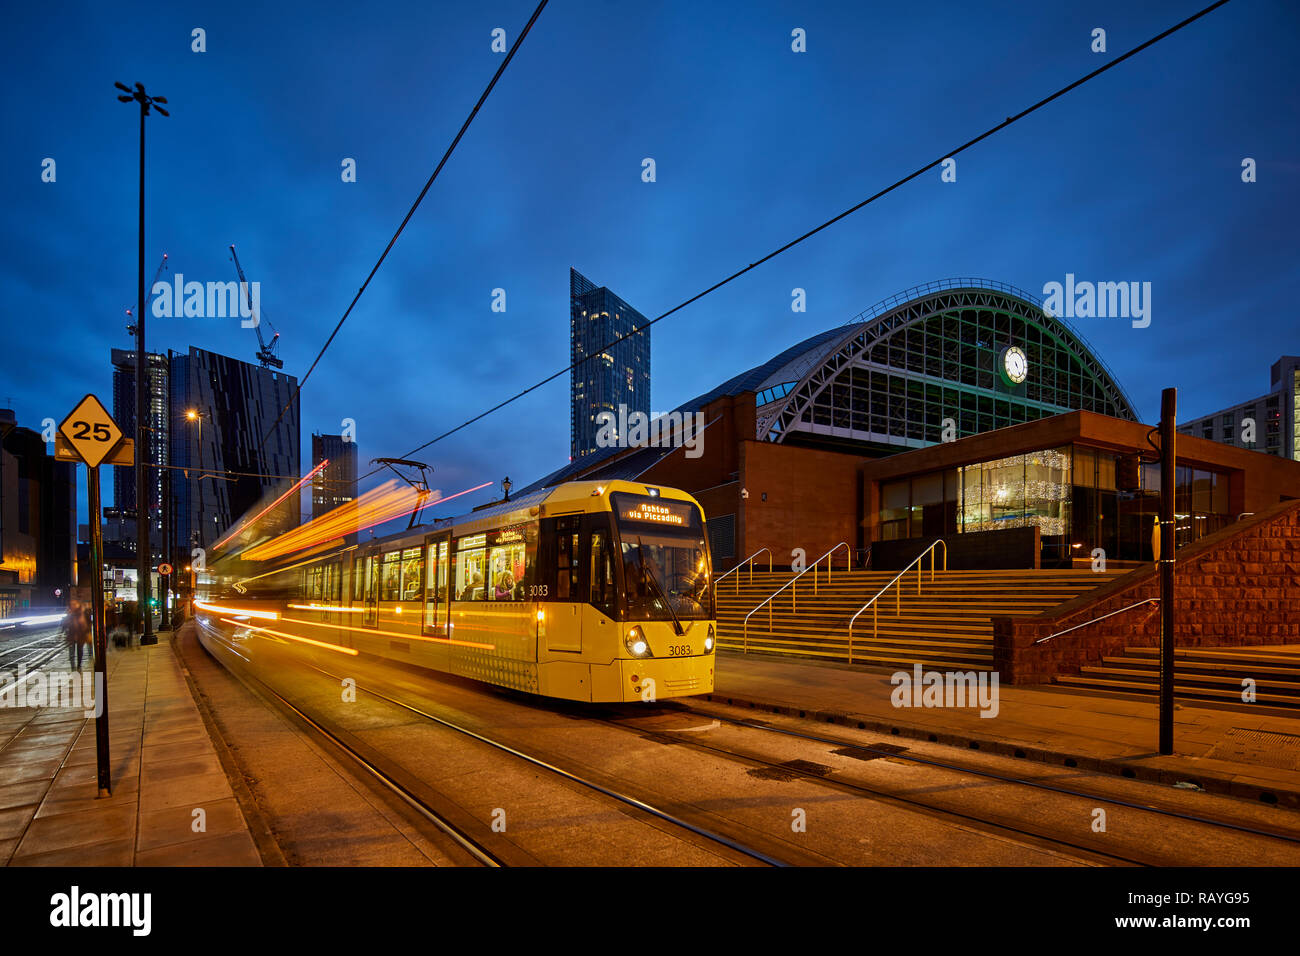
76,632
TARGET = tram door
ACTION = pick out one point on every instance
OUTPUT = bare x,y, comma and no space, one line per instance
564,612
370,594
436,607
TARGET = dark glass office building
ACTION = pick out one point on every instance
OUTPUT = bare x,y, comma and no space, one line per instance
603,376
220,410
336,484
121,519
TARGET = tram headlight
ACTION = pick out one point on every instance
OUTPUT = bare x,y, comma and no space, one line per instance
636,643
708,641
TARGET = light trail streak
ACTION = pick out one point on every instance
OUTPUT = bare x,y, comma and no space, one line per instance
401,634
257,517
294,637
219,609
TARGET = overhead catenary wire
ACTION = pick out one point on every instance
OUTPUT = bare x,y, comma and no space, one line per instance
830,222
219,472
411,212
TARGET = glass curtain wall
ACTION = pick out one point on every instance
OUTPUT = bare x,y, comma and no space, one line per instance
1068,493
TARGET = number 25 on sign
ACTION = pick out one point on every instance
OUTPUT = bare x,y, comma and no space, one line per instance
91,435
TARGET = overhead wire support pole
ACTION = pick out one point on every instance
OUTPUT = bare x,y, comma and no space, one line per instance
848,212
143,520
1168,464
411,212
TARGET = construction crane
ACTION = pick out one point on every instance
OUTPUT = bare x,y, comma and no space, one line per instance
265,353
161,266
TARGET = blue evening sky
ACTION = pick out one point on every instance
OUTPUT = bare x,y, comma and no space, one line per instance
1135,176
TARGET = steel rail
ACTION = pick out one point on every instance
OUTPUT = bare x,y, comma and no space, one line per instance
462,839
1004,778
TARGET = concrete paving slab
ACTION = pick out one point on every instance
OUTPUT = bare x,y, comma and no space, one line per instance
163,766
160,828
227,849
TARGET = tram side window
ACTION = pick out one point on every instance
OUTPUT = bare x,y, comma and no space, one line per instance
412,573
602,573
390,577
470,578
566,566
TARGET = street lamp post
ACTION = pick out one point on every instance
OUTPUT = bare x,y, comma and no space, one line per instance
194,415
142,521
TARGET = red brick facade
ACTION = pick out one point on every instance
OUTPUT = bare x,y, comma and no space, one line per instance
1238,586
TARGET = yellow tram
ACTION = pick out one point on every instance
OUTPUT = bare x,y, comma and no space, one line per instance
586,591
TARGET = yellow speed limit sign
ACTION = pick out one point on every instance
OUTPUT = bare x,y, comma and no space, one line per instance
91,431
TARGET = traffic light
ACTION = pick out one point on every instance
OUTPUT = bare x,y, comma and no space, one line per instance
1128,473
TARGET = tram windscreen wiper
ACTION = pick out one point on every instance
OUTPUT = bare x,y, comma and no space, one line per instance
648,576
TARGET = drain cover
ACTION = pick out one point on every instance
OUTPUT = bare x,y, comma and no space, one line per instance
791,770
875,752
1265,747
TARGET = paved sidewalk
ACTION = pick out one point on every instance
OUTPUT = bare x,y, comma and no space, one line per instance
1234,751
164,771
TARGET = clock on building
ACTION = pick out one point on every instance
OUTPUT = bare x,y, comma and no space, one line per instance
1015,365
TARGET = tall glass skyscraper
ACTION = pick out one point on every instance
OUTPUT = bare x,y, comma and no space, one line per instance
122,516
337,482
225,470
604,376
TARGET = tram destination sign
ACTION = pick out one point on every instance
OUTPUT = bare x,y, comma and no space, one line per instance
676,514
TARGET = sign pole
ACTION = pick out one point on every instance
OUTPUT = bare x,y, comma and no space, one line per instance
1168,464
90,435
100,632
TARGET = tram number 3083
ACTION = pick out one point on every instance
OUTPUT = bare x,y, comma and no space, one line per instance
679,650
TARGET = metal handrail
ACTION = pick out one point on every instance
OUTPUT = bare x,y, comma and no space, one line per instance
1103,617
793,594
718,579
898,597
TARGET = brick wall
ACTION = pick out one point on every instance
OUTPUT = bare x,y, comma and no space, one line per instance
1238,586
811,501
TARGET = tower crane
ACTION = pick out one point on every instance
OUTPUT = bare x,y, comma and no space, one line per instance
161,266
265,353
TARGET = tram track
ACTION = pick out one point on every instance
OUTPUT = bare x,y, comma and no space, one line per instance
1043,838
459,835
1292,837
458,832
1019,828
793,769
900,754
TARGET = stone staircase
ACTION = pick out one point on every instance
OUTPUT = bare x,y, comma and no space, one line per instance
948,626
1206,673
